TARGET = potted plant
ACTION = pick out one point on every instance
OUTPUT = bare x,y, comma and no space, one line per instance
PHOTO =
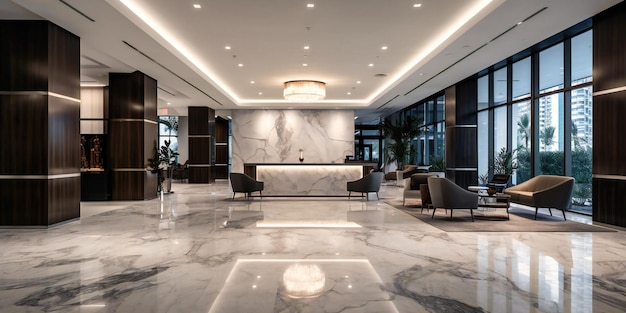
162,163
503,162
438,165
398,140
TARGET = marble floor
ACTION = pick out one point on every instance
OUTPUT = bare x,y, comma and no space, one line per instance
197,251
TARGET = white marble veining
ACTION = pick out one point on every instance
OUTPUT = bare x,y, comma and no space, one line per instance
277,136
308,179
199,251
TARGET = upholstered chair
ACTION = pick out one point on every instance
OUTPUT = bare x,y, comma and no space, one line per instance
445,194
369,183
412,186
243,183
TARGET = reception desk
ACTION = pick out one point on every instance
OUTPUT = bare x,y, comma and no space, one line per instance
306,179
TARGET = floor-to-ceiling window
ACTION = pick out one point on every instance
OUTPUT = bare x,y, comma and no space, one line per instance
548,127
168,131
428,147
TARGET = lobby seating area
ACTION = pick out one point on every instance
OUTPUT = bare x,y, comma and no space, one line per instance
544,191
369,183
245,184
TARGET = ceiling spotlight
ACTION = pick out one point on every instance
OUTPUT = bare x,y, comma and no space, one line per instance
304,90
260,93
252,82
370,65
227,47
240,65
197,6
307,47
169,103
304,64
383,48
349,93
358,81
417,5
310,5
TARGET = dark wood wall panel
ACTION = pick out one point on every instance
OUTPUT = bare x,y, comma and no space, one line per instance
608,201
609,151
132,135
221,130
609,49
199,150
63,199
64,50
220,172
39,59
24,55
201,144
198,119
64,134
24,202
465,147
466,102
24,128
221,154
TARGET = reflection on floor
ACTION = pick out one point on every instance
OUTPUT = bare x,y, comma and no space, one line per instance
197,251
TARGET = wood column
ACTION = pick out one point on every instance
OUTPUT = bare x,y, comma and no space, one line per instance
609,116
201,144
222,161
39,124
461,133
132,135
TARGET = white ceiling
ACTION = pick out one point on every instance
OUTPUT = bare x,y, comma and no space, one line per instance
183,48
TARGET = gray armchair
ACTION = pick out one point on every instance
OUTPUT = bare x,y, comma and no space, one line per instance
544,191
445,194
369,183
245,184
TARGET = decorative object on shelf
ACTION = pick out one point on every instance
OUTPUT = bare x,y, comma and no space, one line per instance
83,156
304,90
96,153
491,191
301,157
303,280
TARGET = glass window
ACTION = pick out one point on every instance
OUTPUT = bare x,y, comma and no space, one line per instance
441,109
550,136
499,129
582,124
521,79
500,94
428,111
582,58
551,68
521,141
483,146
168,130
483,92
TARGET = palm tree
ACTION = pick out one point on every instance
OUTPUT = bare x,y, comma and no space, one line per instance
546,136
523,128
400,134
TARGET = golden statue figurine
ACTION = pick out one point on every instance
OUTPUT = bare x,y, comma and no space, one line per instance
83,156
96,153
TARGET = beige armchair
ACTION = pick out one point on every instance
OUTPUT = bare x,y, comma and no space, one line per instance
445,194
544,191
412,186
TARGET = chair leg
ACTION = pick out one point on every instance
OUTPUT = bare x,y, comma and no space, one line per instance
550,209
451,210
434,209
234,195
261,193
564,218
403,200
472,213
349,193
377,198
536,210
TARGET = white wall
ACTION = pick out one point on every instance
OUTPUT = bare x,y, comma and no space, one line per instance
183,139
276,136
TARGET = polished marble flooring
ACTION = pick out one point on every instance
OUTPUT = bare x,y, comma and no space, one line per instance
197,251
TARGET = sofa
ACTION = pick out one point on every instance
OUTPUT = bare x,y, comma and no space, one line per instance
407,171
544,191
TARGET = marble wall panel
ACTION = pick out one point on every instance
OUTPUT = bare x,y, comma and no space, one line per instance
276,136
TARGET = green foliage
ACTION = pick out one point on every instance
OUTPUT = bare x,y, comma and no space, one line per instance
437,164
551,162
503,162
400,133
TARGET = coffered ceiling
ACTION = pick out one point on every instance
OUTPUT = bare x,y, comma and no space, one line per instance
375,56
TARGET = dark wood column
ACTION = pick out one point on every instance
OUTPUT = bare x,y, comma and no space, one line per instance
39,124
220,169
201,144
461,133
609,116
132,135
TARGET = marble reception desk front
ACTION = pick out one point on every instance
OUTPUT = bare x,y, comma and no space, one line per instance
306,179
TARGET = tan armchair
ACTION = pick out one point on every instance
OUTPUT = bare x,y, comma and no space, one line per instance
445,194
544,191
412,186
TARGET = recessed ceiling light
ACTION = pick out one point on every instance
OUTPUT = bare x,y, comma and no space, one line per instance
358,81
252,82
307,47
370,65
240,65
310,5
260,93
197,6
169,103
383,48
349,93
304,64
227,47
417,5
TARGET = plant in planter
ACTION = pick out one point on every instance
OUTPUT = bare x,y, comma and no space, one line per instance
162,163
504,162
437,164
399,135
